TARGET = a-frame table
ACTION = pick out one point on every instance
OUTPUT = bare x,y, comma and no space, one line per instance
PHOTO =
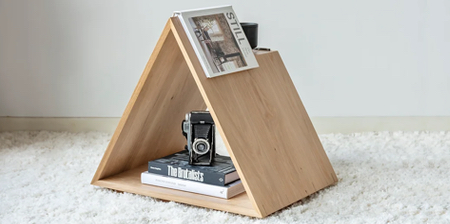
259,115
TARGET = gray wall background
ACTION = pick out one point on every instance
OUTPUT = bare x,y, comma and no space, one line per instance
347,58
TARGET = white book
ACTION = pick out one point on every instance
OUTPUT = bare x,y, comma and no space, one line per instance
227,191
218,40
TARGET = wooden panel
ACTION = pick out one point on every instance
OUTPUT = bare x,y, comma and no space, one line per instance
130,181
266,129
258,112
150,127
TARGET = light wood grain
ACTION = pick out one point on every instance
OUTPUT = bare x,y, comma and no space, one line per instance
150,127
266,129
130,181
259,115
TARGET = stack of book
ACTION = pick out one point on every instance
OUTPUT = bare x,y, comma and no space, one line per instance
219,180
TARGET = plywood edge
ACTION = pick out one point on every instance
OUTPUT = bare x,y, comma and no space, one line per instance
313,134
99,173
187,50
197,72
129,181
329,177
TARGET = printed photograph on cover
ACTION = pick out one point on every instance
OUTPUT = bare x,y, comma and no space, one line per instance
217,42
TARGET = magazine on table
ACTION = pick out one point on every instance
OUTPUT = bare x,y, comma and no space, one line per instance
218,40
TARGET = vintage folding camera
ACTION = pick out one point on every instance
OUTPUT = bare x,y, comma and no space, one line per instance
198,128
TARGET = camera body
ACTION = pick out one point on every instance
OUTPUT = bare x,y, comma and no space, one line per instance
198,128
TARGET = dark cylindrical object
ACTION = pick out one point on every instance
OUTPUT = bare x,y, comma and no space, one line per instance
251,32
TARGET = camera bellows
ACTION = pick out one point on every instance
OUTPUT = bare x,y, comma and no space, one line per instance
202,131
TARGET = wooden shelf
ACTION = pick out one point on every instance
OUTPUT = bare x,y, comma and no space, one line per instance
130,181
258,113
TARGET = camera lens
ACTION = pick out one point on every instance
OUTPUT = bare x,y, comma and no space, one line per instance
200,146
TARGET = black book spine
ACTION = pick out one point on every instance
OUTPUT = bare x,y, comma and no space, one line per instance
201,176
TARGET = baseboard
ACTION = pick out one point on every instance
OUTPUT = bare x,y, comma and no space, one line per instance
326,125
58,124
323,125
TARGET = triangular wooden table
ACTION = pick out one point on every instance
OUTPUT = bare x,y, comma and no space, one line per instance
259,115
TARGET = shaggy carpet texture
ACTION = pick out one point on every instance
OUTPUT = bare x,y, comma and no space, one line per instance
384,177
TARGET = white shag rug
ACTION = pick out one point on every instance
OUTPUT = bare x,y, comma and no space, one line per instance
385,177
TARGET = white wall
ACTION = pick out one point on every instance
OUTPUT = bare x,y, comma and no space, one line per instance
346,58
